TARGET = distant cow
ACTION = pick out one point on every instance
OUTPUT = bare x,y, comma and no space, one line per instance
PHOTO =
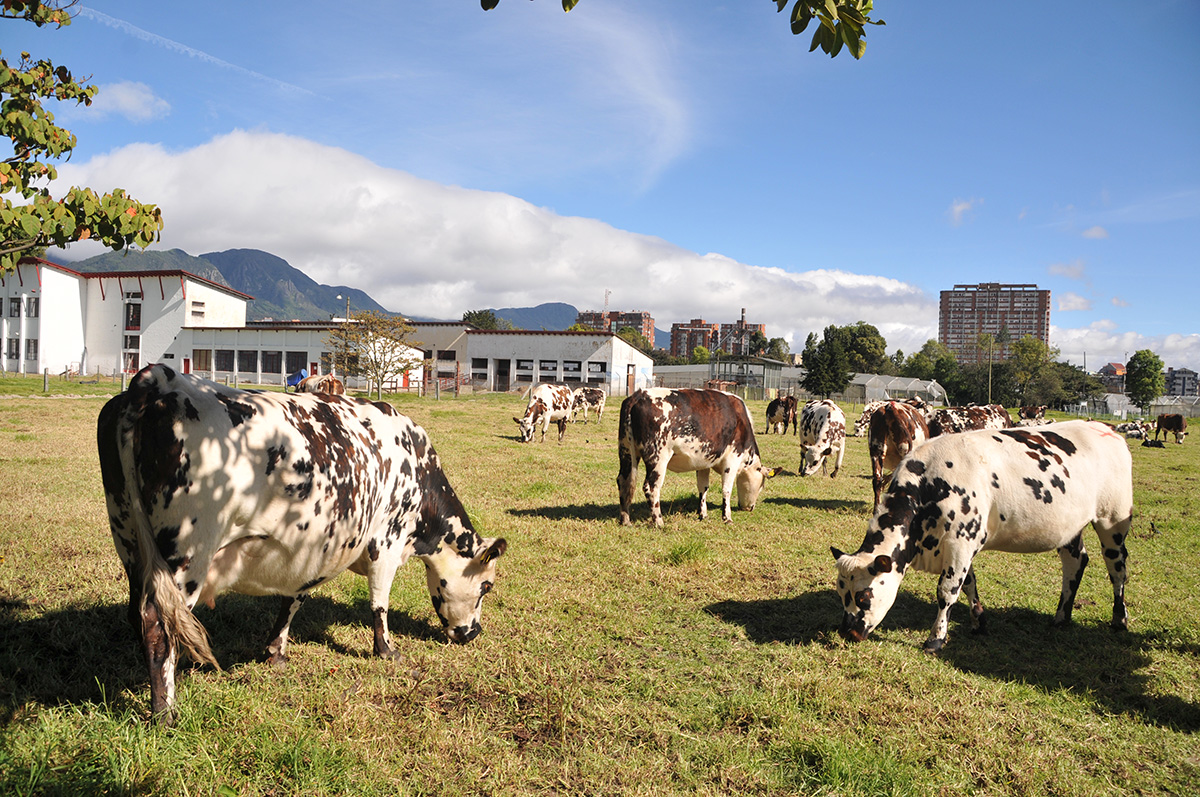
211,489
583,398
895,429
688,430
1014,490
325,383
1176,424
781,412
952,420
547,404
864,420
1032,413
822,435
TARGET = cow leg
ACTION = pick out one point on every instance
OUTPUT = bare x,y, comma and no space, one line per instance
702,488
277,647
652,487
1115,557
837,463
562,428
728,477
1074,560
625,479
952,581
162,657
380,573
970,588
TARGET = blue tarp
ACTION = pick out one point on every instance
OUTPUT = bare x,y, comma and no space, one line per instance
296,378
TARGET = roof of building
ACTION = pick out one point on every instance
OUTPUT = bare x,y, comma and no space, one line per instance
176,272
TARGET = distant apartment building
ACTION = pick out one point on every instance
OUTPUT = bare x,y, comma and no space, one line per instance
736,338
1181,382
616,320
969,311
1112,376
685,337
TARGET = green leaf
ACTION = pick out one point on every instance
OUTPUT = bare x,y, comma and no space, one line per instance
780,4
488,5
801,16
569,4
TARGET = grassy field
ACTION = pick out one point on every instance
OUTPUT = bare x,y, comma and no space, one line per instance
700,658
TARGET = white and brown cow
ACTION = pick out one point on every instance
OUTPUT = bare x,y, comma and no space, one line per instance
952,420
864,420
781,412
324,383
822,435
547,404
211,489
1014,490
583,398
1032,412
688,430
1174,424
895,429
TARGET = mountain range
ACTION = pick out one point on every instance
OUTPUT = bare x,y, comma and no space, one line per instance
283,292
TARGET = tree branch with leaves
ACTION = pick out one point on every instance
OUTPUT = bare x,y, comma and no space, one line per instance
38,219
375,346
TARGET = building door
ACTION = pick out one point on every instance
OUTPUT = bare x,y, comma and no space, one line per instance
502,375
187,365
630,379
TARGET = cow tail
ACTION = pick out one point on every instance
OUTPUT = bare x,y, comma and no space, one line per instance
158,583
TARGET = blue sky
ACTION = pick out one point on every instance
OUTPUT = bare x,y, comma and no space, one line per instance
446,159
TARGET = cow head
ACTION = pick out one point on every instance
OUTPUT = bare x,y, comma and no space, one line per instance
813,456
750,482
867,585
457,584
526,426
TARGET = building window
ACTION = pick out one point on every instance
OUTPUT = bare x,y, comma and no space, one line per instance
597,368
133,294
33,307
14,308
31,349
479,363
133,342
202,359
197,311
524,365
130,359
447,354
224,359
296,360
14,348
548,365
272,362
133,316
248,361
571,367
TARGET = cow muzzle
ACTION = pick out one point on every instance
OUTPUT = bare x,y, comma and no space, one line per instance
853,629
462,634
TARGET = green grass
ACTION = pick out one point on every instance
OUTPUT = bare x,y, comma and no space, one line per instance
700,658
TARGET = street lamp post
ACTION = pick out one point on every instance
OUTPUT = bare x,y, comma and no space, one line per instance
345,354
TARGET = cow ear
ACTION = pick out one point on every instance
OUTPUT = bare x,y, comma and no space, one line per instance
516,419
837,554
882,564
493,551
772,473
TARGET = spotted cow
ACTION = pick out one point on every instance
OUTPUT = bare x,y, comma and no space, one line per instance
864,420
1014,490
1032,413
583,398
822,435
781,412
952,420
325,383
688,430
547,404
1174,424
895,429
211,489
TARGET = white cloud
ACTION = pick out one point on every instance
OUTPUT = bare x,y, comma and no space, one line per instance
959,209
137,102
1074,270
431,250
1101,343
1096,232
1072,301
1117,301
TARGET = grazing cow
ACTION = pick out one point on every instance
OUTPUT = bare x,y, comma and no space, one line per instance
686,430
864,420
1176,424
896,428
584,397
547,404
781,412
325,383
952,420
211,489
1032,413
822,435
1014,490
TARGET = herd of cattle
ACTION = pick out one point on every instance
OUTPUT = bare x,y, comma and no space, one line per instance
211,489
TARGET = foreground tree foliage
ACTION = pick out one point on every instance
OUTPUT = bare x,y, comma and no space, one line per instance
840,23
827,363
375,346
40,220
1144,380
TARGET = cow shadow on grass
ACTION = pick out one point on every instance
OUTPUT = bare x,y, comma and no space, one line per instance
824,504
90,655
639,512
1086,659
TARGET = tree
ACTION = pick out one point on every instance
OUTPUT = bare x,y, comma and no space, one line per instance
1030,358
1144,380
375,346
635,339
758,343
114,219
829,371
866,349
841,23
777,349
809,354
700,355
486,319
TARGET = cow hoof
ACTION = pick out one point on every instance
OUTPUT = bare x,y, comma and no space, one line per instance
164,719
277,661
1120,625
933,646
